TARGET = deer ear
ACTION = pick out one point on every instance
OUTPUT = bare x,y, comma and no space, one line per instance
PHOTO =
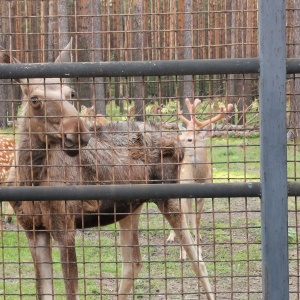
66,54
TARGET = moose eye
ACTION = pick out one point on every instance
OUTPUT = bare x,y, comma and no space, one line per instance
35,101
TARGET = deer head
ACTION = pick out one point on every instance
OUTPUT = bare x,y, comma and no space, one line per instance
192,138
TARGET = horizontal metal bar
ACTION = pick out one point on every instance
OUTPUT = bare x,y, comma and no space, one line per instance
139,68
126,192
138,191
293,189
133,68
293,65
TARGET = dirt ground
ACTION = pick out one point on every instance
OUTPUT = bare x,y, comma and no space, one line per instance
231,249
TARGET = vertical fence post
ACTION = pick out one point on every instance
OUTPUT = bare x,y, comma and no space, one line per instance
272,51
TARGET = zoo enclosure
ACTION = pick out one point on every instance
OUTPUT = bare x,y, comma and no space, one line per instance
272,136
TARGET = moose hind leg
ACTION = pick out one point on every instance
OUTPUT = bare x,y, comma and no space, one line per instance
39,244
131,255
171,211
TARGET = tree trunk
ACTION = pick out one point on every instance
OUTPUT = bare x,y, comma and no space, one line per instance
52,30
43,45
137,43
99,93
63,26
63,30
250,51
5,88
83,49
187,89
117,42
239,42
230,40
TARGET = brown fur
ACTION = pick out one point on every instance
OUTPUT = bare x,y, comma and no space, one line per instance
60,151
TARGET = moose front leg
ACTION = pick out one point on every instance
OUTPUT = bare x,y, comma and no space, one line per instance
39,244
131,255
61,224
65,239
69,265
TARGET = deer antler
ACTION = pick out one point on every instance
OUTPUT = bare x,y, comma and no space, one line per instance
193,122
220,116
191,108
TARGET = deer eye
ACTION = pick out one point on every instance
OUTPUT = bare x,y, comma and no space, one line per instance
35,101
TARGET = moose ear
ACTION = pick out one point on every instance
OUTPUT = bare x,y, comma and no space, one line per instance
66,54
25,89
5,58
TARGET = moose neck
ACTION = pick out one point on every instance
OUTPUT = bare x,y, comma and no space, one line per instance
32,155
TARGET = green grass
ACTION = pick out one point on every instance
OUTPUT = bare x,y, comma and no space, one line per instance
231,233
232,161
9,131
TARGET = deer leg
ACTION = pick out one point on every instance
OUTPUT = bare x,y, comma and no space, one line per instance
194,219
199,208
184,206
171,237
39,244
171,211
190,220
131,256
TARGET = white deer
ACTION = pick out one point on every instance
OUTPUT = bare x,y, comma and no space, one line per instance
196,166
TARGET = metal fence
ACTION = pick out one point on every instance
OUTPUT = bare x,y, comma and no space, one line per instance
249,224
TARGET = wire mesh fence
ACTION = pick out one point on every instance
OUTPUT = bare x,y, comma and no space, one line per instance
125,130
